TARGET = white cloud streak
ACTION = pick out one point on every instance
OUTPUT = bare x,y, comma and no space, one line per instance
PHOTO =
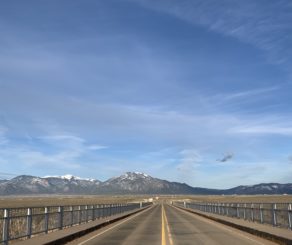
96,147
249,93
263,130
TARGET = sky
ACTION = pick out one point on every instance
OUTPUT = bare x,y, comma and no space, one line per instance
193,91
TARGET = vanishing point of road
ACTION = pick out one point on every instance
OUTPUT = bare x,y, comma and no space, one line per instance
163,224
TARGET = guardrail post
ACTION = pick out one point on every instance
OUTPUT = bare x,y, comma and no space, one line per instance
274,214
93,212
79,214
98,211
103,210
46,220
244,211
261,213
86,213
289,216
252,212
97,215
71,216
29,223
61,214
237,210
5,231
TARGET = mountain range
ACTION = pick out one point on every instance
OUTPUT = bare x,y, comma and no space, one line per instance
128,183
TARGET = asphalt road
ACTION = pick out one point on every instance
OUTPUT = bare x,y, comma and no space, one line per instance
166,225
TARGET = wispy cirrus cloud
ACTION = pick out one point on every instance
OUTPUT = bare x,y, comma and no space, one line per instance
61,151
249,93
264,25
239,99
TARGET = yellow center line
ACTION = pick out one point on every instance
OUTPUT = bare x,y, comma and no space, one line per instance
168,230
162,226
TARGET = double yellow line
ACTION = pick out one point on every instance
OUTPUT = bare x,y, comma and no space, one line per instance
164,223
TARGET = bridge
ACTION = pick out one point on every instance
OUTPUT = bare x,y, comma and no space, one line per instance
164,224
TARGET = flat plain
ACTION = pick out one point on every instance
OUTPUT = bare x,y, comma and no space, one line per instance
63,200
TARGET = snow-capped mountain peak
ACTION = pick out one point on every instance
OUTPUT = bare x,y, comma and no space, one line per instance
133,176
69,177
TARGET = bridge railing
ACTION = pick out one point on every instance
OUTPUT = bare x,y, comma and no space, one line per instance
21,223
275,214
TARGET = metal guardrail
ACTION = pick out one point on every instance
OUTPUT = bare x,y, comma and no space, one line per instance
275,214
17,223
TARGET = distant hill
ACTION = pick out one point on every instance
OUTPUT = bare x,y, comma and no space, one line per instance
128,183
140,183
264,188
26,184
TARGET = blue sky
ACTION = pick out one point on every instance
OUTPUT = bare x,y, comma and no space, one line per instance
191,90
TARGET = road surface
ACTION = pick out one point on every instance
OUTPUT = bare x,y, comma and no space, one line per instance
167,225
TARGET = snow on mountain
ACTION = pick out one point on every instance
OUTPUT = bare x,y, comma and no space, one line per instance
140,183
133,176
69,177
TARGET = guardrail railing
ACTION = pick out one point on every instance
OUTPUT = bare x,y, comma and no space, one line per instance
275,214
17,223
